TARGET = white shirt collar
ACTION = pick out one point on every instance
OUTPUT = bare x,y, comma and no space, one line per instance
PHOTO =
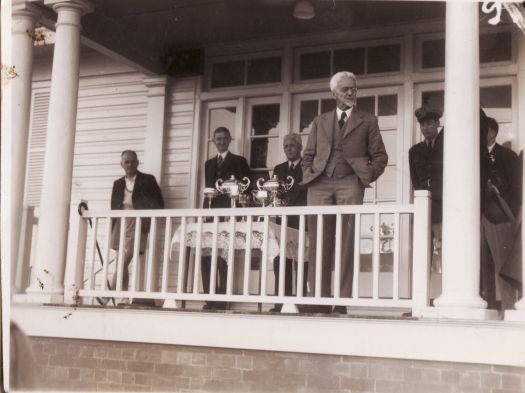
491,147
130,182
295,163
223,154
348,113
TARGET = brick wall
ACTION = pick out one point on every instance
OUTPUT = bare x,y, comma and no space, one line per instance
84,365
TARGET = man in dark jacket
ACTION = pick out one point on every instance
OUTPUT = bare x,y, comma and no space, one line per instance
137,191
295,196
503,176
426,171
222,166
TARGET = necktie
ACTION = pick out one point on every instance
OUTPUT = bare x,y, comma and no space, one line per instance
342,120
219,159
292,167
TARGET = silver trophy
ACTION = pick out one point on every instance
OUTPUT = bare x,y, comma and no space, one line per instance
232,187
276,188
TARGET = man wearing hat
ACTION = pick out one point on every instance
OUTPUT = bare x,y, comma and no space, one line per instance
426,169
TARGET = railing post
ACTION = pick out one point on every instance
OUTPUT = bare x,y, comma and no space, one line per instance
76,252
23,269
421,252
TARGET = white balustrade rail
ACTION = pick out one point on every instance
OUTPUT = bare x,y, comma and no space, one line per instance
182,237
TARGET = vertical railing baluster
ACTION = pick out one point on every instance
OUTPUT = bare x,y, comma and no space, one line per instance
182,268
282,255
264,258
136,255
421,252
198,252
166,257
337,261
247,257
318,255
375,257
396,251
151,254
107,248
121,253
357,256
231,256
213,263
91,273
300,257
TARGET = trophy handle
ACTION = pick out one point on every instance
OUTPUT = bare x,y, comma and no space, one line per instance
259,183
218,185
244,186
289,184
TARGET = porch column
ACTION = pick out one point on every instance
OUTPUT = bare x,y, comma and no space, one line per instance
154,144
58,167
23,23
519,313
461,173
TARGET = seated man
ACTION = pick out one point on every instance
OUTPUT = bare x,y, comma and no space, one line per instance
296,196
222,166
135,190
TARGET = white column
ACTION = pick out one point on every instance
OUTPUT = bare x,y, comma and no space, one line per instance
58,167
23,24
519,313
154,146
461,191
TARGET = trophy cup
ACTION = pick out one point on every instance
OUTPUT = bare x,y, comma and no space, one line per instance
232,187
210,193
275,188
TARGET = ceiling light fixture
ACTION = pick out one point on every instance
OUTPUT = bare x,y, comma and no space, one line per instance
304,10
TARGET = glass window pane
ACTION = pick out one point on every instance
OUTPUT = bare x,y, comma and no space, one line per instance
385,58
309,109
265,119
434,99
495,47
496,97
352,60
327,105
367,104
264,71
387,105
227,74
264,153
433,53
314,65
220,117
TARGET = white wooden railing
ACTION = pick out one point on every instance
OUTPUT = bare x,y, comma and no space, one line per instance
168,278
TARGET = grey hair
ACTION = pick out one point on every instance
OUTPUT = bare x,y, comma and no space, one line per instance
334,80
295,137
132,152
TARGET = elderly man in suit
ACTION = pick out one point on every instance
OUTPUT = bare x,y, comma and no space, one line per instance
426,171
135,190
222,166
296,196
344,154
503,176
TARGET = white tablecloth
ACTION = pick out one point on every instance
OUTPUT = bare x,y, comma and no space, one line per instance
241,228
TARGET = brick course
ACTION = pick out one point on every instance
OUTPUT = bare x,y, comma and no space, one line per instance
88,365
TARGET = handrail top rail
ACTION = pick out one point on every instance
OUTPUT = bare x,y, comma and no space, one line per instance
255,211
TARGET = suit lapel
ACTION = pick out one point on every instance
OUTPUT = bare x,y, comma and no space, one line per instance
328,125
353,123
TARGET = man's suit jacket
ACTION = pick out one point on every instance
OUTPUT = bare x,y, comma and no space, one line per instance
426,172
146,195
296,196
232,165
504,172
362,145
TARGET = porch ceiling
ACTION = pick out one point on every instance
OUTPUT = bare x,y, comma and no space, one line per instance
146,32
